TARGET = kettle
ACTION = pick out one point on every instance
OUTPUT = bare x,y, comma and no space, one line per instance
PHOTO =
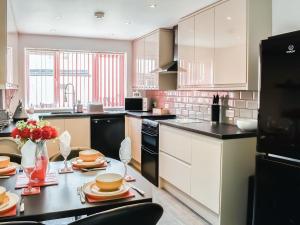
20,113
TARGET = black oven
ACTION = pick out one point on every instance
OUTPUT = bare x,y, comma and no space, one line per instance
150,149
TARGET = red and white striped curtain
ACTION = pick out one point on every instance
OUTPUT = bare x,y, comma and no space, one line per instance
96,77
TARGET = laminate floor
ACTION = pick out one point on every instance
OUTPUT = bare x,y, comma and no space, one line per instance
175,213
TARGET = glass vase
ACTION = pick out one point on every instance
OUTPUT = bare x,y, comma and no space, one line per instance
41,163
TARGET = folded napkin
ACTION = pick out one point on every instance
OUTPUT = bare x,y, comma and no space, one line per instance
65,142
126,195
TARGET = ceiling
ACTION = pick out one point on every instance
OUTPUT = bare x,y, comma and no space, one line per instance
124,19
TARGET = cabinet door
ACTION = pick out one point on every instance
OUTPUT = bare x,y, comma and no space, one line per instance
206,172
175,171
134,130
204,48
139,62
151,60
53,145
230,43
186,52
80,131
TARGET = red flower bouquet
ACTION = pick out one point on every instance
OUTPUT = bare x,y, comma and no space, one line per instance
33,130
37,132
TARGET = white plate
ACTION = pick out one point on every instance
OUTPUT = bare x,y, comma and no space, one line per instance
11,167
13,200
81,164
92,190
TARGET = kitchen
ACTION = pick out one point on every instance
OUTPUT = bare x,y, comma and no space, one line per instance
184,81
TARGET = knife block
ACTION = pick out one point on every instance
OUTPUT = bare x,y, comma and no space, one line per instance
215,113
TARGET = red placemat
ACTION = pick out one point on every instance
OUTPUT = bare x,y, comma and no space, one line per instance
104,165
10,212
22,181
128,194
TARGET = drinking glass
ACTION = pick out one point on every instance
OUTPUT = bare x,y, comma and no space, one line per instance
28,164
65,152
125,156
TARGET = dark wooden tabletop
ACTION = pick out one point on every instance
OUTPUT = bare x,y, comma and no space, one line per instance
60,201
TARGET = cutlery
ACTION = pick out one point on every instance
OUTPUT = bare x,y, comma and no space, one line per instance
92,169
4,177
81,194
22,205
141,192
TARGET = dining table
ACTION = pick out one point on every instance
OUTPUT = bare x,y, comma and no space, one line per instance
62,200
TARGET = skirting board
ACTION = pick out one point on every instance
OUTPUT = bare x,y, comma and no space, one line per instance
200,209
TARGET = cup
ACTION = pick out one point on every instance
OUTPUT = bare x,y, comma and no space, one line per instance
2,194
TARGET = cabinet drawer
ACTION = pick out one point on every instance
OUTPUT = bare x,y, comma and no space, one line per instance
175,171
175,142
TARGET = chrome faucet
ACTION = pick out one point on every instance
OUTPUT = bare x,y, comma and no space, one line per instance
73,95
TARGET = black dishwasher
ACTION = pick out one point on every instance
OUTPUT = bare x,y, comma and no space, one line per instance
107,133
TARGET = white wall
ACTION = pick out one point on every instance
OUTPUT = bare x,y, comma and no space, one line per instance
71,43
286,16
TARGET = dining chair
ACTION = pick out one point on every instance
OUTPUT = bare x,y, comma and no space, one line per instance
73,154
21,223
13,157
143,213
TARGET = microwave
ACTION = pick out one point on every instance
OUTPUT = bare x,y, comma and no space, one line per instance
137,104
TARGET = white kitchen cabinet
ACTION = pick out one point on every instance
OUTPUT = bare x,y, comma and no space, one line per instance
179,140
204,48
218,46
186,52
150,53
206,172
231,43
214,183
169,166
133,127
8,47
79,129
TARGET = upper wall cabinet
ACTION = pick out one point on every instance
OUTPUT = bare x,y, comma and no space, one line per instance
150,53
226,38
186,52
8,47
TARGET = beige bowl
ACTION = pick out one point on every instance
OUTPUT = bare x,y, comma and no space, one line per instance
89,155
4,161
2,194
109,181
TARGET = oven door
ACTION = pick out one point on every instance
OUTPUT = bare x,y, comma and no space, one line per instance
150,165
150,139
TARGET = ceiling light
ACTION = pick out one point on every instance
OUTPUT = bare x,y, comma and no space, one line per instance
127,22
152,4
99,15
228,18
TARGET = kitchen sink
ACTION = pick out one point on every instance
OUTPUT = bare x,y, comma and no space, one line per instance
61,112
186,120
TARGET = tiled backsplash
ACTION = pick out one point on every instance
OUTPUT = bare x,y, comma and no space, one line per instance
197,104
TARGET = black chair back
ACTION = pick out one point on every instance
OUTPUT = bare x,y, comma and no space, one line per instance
142,214
13,157
21,223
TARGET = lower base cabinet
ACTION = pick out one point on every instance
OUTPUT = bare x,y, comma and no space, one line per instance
215,182
79,129
133,130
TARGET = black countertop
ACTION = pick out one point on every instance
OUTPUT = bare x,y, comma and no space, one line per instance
143,115
220,131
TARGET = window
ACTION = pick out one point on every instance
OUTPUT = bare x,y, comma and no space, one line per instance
52,74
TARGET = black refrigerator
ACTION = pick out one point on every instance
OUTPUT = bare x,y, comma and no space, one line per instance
277,188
